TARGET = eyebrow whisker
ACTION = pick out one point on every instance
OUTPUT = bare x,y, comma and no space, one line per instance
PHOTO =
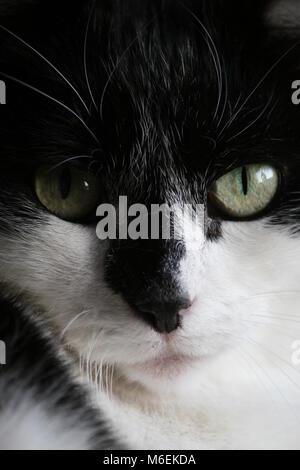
85,57
51,98
41,56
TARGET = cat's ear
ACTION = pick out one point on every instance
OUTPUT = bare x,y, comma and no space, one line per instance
283,17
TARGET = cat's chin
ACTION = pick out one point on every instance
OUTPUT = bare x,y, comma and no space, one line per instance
168,371
171,366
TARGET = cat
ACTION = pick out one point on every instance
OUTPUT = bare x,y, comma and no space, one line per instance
183,343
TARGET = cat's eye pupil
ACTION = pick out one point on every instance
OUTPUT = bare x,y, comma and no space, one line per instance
65,183
245,181
245,192
72,194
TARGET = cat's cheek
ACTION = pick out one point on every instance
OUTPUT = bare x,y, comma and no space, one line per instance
228,280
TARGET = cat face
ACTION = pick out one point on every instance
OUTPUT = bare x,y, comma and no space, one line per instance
161,104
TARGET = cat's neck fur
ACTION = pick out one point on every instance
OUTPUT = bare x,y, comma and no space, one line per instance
206,413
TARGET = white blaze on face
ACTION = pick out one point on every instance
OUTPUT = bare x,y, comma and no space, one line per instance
244,283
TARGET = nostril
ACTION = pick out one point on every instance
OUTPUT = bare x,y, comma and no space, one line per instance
185,308
147,308
167,324
163,316
164,323
185,305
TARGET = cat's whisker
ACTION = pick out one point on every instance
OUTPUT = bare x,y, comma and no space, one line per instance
272,293
96,369
277,317
89,361
285,374
110,384
261,82
225,97
106,380
67,328
271,381
118,63
252,123
41,56
279,358
253,368
98,379
99,375
54,100
112,379
256,368
78,157
236,103
287,333
214,54
85,56
265,373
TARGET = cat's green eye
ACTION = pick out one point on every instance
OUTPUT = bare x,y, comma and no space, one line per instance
69,193
245,192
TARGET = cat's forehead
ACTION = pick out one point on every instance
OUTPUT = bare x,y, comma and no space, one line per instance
172,50
180,71
172,82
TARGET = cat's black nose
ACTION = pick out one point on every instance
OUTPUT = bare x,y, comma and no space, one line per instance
147,273
163,314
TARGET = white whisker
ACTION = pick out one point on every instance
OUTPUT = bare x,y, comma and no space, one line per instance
48,62
64,331
261,81
271,381
269,324
85,57
119,61
214,54
78,157
252,123
51,98
272,353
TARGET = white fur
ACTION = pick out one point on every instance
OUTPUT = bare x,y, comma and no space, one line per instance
238,387
29,425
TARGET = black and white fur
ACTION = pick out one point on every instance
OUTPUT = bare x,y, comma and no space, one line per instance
178,93
43,405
